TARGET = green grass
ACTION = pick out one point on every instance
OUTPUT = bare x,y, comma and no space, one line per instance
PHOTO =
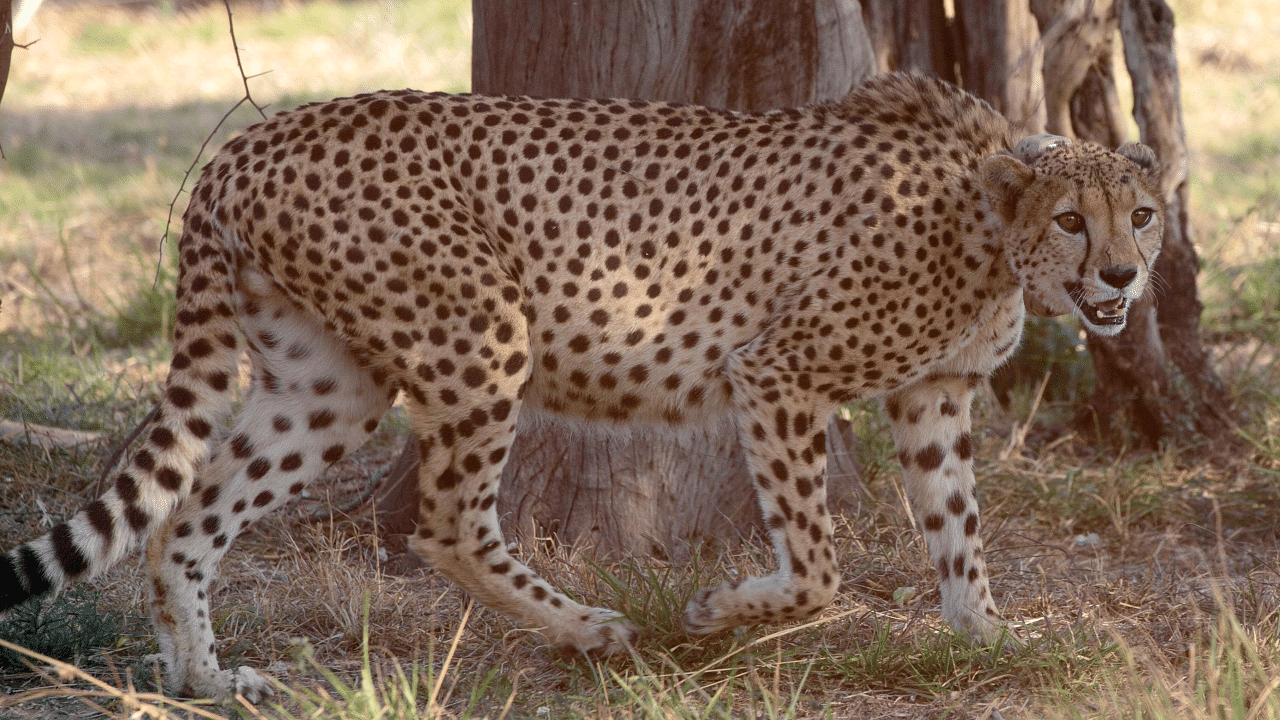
71,626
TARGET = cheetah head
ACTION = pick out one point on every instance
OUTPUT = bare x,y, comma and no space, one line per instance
1083,225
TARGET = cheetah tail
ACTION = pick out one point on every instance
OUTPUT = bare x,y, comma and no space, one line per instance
162,463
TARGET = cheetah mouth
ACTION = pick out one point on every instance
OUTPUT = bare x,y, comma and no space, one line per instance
1108,312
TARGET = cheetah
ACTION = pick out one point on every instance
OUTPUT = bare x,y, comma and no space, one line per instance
617,262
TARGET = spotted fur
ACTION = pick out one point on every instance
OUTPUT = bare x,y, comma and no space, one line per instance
616,262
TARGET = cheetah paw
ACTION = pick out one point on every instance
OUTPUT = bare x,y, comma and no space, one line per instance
224,686
251,685
985,631
704,615
601,633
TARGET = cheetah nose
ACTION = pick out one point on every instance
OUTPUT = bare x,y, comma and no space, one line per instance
1118,276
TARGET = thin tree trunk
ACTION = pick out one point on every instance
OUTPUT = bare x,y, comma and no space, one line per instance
1001,59
1078,44
658,491
1147,28
1136,370
6,42
1135,377
911,35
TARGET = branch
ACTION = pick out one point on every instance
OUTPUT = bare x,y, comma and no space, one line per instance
248,97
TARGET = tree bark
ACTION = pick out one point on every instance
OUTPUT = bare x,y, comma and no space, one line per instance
1001,59
6,43
741,54
1147,27
657,491
911,35
1078,43
1135,378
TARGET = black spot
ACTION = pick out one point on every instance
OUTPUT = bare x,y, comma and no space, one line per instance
162,437
474,376
199,427
210,496
210,524
894,408
144,460
241,447
930,458
169,479
180,397
956,503
258,468
32,569
447,480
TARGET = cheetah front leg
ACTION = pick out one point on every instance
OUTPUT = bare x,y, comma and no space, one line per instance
782,427
931,431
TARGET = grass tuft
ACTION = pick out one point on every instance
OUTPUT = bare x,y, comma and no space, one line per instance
70,626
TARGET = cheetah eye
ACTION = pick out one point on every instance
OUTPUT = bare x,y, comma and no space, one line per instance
1141,217
1070,222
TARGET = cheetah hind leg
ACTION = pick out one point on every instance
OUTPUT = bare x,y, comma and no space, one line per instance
311,403
464,447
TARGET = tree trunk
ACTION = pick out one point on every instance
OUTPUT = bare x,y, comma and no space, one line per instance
628,491
6,42
1134,373
740,54
1001,59
1078,44
911,35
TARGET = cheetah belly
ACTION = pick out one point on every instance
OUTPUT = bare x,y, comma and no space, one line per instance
628,370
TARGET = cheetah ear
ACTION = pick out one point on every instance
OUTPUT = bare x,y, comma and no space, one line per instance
1004,179
1141,155
1032,147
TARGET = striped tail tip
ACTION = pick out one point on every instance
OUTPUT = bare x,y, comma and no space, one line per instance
19,584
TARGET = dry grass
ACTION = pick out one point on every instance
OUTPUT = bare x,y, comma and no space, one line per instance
1150,581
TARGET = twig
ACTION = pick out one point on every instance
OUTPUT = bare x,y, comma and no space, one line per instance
374,480
244,79
248,97
1019,436
114,461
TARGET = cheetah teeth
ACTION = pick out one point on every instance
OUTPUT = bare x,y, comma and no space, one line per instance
1110,312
